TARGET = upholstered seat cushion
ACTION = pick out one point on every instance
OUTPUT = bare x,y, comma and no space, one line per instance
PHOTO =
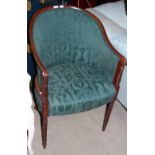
76,88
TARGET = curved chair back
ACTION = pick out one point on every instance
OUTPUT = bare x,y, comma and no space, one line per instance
71,35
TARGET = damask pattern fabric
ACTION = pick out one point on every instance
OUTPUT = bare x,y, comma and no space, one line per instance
72,36
79,62
76,88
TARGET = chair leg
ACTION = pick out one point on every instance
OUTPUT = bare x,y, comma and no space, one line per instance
108,110
44,131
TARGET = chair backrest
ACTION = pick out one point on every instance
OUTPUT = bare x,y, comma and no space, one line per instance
69,35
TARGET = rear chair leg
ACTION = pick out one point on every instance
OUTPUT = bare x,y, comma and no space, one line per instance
108,110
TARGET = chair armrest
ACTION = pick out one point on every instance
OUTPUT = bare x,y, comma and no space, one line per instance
41,83
121,62
119,71
42,75
41,80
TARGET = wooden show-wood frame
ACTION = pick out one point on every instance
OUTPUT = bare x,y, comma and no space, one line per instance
43,89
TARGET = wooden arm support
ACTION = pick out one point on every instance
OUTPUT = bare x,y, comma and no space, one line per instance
118,73
122,61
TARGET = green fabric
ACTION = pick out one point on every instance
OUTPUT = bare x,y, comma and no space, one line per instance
76,88
80,64
71,36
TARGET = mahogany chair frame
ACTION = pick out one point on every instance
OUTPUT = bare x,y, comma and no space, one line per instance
43,90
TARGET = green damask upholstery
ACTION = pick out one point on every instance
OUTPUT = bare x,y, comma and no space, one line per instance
80,64
75,88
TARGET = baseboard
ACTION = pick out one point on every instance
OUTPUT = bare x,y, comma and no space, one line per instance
122,104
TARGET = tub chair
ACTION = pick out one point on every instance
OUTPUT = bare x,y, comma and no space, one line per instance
77,67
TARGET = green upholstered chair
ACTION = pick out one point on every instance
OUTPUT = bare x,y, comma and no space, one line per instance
77,67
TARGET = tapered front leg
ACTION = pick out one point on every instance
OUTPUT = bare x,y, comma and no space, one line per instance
44,131
44,122
108,110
